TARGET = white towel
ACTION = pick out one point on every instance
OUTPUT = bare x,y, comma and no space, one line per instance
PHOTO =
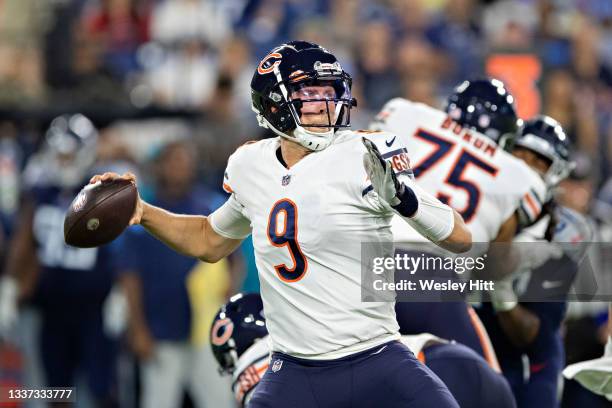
595,375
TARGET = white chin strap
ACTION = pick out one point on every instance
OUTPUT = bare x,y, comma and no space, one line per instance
314,141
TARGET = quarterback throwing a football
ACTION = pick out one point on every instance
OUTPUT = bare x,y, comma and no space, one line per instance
310,198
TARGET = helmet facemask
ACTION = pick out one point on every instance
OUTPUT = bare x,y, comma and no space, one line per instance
559,168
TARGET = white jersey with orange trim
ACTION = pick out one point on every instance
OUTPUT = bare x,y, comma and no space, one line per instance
308,224
250,367
464,168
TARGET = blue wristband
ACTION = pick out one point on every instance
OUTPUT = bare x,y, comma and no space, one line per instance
409,204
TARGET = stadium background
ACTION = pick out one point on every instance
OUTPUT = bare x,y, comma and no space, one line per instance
152,71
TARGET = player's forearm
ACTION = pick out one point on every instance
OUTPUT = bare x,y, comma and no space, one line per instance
434,220
502,258
183,233
460,239
520,325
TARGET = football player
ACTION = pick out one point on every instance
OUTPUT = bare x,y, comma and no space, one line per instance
67,285
526,332
310,197
239,341
455,154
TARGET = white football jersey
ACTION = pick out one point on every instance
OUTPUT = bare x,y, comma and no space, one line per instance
308,223
462,167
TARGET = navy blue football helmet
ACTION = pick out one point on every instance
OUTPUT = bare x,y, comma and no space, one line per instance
545,136
284,80
484,105
237,325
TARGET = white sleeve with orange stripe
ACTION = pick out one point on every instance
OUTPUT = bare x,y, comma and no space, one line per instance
250,368
531,203
520,191
230,220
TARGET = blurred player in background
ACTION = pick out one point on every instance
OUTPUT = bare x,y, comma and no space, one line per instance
67,285
155,281
527,334
311,197
241,346
455,154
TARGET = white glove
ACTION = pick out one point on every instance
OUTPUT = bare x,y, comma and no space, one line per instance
595,375
8,305
502,296
399,196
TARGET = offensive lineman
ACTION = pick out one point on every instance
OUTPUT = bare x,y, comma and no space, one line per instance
310,198
456,155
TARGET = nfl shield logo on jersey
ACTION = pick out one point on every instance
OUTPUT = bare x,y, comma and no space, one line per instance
277,365
286,180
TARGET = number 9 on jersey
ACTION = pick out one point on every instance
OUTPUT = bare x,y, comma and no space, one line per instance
282,232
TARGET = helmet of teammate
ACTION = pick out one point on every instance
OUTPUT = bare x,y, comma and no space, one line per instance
238,324
67,153
484,105
545,136
284,80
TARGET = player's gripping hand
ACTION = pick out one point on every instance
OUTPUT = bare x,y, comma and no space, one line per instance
503,297
108,176
384,181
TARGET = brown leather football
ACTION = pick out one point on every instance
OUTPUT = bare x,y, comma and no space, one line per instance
100,213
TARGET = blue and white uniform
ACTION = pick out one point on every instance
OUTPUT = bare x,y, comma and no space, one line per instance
533,371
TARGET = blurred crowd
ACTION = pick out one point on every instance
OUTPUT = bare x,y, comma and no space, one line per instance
156,74
193,59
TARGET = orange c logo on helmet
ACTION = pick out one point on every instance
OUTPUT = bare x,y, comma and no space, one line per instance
226,327
269,62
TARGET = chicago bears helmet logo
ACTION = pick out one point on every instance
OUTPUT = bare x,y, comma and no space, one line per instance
268,64
221,332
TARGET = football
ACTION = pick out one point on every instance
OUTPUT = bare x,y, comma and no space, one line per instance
100,213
